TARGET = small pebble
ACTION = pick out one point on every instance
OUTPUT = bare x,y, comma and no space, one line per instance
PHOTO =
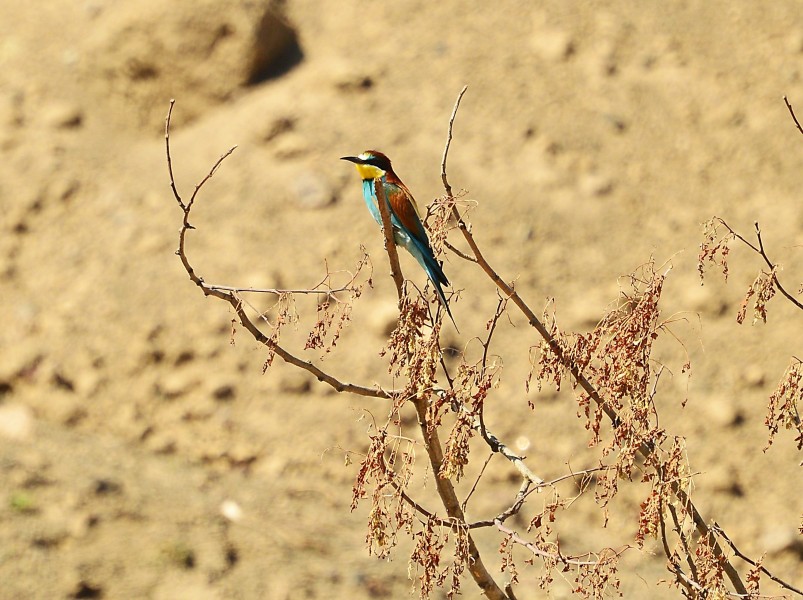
782,539
177,384
231,510
312,191
553,45
753,376
62,116
16,422
722,411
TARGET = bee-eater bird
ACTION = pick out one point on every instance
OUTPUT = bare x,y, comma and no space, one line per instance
405,217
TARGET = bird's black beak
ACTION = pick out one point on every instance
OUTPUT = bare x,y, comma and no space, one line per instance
355,159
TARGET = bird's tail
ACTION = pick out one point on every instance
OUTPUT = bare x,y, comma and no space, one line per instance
435,273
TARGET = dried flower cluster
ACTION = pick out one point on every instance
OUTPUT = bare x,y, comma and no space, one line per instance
785,402
715,247
783,406
616,358
386,468
760,293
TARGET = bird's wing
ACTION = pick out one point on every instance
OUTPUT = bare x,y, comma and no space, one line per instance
404,208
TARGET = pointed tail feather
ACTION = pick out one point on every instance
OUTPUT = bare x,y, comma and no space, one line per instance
434,271
442,298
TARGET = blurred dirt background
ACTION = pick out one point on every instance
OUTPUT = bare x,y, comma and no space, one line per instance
142,455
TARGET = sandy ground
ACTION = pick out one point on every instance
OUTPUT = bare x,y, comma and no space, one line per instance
142,455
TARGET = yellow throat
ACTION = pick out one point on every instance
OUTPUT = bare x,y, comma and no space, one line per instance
369,171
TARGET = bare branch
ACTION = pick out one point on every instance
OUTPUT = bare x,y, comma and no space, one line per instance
496,445
673,565
323,287
446,185
476,481
231,296
169,159
521,496
721,533
759,249
459,252
772,267
276,291
448,496
574,561
500,310
683,540
524,492
405,496
390,243
792,112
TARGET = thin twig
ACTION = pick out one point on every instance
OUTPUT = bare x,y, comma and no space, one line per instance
525,491
792,112
446,185
496,445
573,561
513,509
720,532
415,505
763,254
476,481
277,291
169,159
459,252
683,540
500,310
322,287
675,567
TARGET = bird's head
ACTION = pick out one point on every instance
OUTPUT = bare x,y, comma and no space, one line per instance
371,164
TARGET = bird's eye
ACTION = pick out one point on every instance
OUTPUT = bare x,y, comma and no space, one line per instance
378,162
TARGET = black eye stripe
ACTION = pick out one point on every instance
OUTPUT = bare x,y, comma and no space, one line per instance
379,162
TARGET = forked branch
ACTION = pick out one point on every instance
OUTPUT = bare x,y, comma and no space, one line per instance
230,294
759,249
